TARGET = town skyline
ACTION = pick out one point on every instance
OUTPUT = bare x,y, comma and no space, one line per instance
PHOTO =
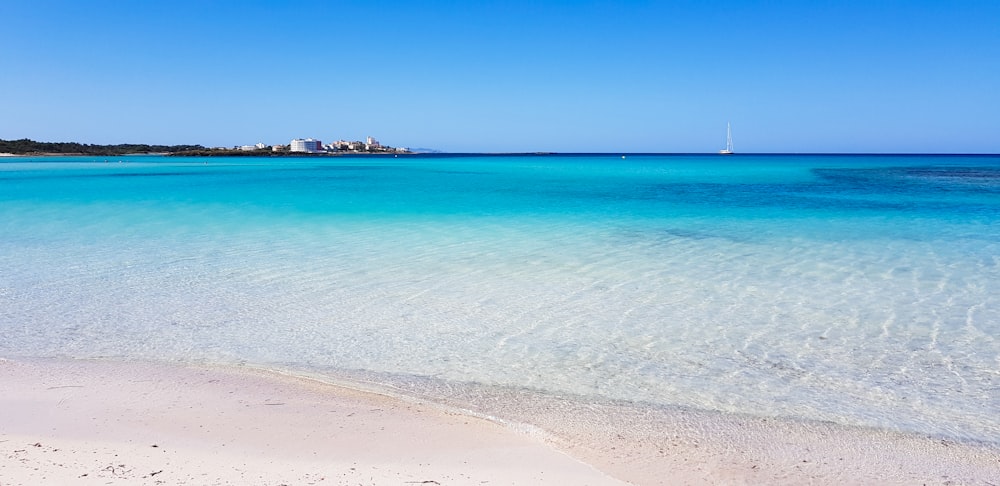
315,145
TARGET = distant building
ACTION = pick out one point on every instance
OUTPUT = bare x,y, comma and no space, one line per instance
249,148
278,148
368,145
308,146
346,145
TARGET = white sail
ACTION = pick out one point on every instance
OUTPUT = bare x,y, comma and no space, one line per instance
729,141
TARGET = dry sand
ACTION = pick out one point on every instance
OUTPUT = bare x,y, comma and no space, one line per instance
106,422
90,422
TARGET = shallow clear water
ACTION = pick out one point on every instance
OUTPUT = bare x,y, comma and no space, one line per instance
856,289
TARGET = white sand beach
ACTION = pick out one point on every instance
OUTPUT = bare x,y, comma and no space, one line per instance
113,423
107,422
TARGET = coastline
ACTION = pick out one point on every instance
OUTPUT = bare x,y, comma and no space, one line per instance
57,154
154,423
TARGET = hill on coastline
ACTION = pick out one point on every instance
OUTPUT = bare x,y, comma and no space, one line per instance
26,146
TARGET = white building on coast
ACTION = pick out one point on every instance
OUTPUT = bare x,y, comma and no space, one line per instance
308,146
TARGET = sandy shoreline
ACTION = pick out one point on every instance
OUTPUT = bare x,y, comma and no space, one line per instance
114,423
105,422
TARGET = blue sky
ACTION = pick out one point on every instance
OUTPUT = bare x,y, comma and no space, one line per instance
565,76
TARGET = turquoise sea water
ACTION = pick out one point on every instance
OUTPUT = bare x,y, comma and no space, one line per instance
863,290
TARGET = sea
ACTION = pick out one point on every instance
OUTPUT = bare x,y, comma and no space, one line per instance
861,290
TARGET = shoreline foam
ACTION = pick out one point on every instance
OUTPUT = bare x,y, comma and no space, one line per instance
65,420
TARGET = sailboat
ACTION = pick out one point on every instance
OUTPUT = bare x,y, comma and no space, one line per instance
729,142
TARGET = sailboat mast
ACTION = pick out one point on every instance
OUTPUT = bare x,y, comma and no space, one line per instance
729,137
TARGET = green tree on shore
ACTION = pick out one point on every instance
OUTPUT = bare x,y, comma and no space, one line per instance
26,146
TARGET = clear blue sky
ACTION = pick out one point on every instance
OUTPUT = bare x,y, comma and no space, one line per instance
566,76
